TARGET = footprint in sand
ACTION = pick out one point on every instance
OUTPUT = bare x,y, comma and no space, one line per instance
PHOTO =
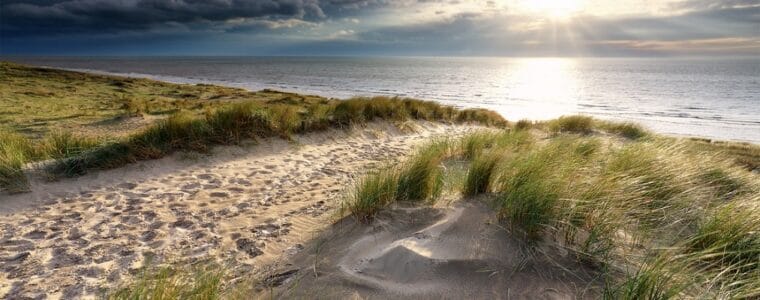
183,223
127,185
35,234
236,189
61,258
205,176
148,236
249,247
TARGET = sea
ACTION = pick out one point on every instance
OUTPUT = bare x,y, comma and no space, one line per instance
716,98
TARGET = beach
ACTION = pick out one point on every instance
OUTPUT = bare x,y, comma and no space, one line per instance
204,191
323,149
246,207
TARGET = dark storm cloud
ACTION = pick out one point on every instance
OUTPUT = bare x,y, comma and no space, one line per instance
49,17
423,27
99,16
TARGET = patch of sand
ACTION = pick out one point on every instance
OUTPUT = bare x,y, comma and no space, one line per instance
246,207
459,252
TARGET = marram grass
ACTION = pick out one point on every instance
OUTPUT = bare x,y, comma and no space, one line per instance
372,193
231,124
482,168
250,120
580,124
189,118
203,282
420,178
14,152
572,124
655,224
658,218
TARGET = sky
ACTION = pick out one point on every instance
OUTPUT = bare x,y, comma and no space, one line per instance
381,27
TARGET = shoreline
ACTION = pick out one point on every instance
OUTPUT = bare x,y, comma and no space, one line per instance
254,87
184,80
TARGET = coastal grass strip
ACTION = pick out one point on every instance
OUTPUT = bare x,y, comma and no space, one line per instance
252,120
183,131
657,217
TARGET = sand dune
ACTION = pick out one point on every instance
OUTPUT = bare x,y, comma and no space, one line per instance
247,207
459,252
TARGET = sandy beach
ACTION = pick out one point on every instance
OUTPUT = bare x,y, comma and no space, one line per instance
247,207
128,188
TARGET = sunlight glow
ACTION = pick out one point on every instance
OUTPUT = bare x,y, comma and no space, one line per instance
556,9
542,88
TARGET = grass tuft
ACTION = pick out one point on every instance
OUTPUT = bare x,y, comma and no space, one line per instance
200,283
523,124
421,177
649,282
628,130
726,185
14,153
729,239
472,144
60,144
372,193
572,124
482,168
527,198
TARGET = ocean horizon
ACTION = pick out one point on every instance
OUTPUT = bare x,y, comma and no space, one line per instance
696,97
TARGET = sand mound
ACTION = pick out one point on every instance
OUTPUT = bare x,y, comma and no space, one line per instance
452,253
245,207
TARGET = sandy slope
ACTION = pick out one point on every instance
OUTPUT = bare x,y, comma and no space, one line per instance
457,252
246,206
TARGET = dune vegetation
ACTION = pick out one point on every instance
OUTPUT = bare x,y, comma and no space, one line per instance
657,217
36,101
182,118
251,120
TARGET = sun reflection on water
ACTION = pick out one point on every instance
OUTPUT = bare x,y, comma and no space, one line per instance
541,88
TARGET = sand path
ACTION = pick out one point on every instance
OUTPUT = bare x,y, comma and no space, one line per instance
243,206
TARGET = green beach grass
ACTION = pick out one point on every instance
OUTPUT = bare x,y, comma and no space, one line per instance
182,118
657,217
660,218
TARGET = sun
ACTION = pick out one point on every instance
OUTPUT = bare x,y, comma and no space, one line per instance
556,9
